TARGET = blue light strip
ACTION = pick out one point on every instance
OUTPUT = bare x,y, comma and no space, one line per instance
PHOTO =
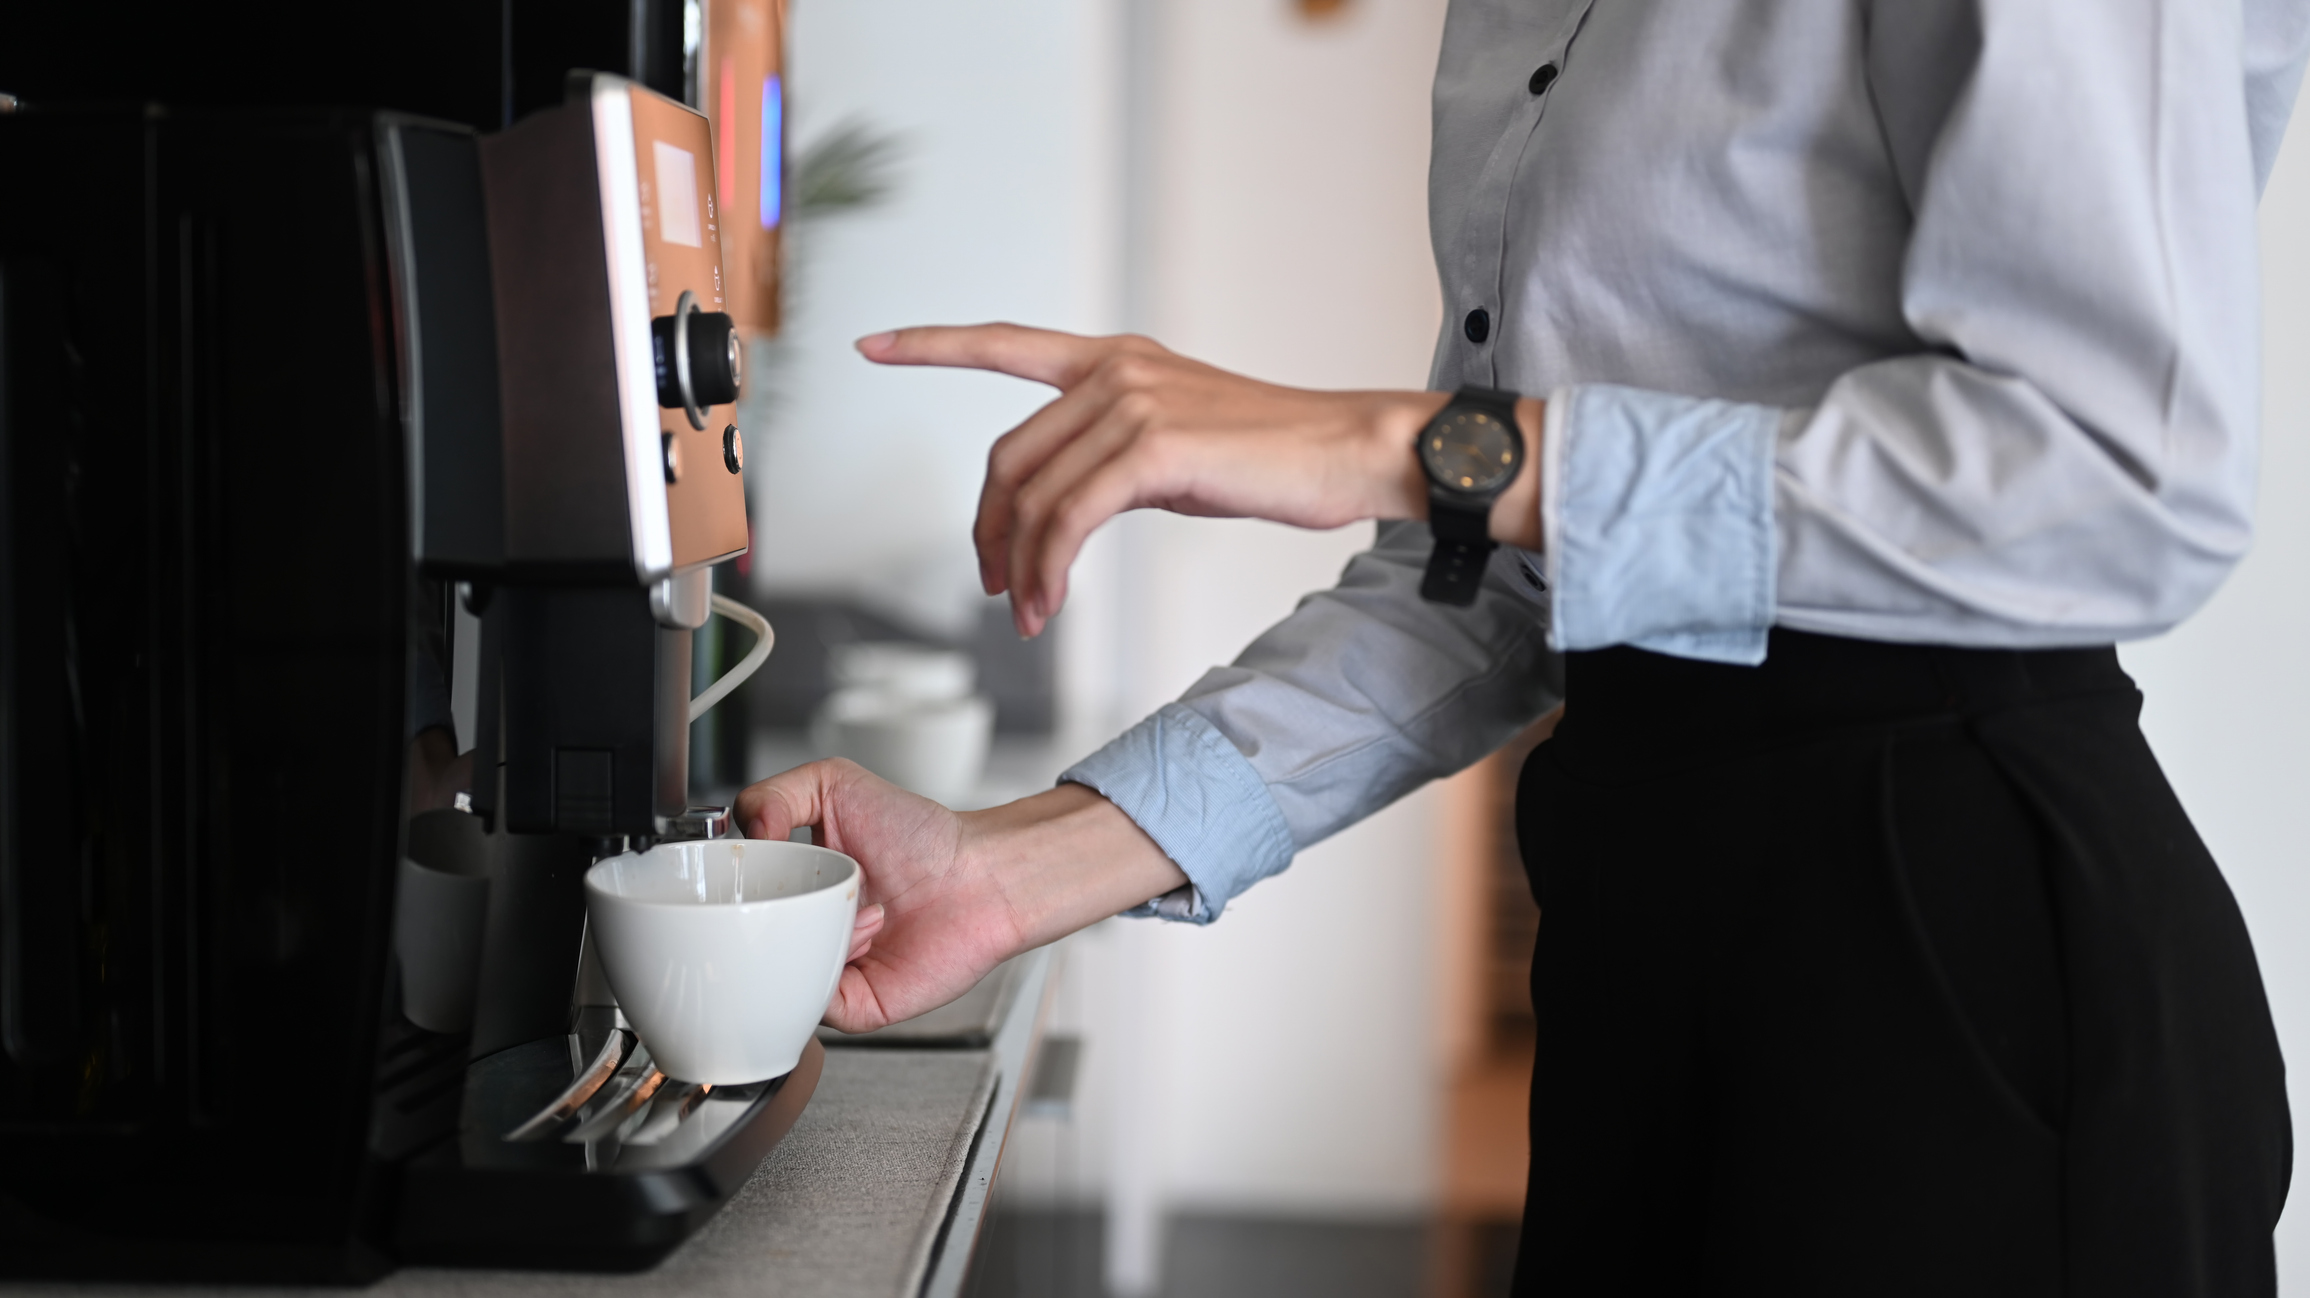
773,151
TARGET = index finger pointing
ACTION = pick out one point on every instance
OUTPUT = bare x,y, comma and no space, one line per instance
1043,355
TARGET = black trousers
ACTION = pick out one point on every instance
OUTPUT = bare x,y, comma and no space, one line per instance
1886,970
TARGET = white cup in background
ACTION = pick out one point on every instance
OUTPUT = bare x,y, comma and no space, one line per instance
906,670
724,953
936,747
440,909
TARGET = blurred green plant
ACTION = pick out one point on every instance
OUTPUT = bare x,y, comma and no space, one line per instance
851,166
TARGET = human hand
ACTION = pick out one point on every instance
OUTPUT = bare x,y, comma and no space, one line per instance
949,896
1137,426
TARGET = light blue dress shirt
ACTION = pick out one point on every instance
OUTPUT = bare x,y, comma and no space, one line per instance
1928,321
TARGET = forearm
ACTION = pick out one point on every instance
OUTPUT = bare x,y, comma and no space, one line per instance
1064,860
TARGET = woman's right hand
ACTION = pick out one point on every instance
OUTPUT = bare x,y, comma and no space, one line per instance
1137,426
949,896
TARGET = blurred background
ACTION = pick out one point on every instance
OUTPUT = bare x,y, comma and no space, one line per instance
1323,1093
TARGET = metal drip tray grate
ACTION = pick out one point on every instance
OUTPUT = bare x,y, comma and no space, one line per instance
579,1153
524,1108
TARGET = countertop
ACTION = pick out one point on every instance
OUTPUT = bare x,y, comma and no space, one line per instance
879,1190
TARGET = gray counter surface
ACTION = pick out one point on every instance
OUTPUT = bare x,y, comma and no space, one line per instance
877,1192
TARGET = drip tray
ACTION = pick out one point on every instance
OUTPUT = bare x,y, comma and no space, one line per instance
577,1154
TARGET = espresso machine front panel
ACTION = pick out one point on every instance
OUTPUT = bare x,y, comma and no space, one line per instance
682,259
619,373
619,364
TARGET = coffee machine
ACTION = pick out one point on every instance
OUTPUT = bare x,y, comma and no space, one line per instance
288,396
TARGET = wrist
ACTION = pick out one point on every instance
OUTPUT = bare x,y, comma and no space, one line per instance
1392,446
1516,512
1064,859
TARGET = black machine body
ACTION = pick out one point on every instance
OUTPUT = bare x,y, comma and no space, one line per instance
265,1013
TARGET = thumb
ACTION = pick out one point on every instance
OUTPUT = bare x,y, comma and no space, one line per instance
776,807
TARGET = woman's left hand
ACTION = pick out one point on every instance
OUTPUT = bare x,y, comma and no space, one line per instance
1137,426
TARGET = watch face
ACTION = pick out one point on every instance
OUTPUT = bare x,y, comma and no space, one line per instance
1470,450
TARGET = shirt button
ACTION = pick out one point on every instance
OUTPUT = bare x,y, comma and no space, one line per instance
1478,325
1543,78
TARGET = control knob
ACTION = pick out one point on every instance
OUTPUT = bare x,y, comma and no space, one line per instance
698,359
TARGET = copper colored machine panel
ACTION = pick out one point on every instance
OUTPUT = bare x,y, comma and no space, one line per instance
682,255
619,361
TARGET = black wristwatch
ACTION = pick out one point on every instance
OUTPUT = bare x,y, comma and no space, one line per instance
1470,451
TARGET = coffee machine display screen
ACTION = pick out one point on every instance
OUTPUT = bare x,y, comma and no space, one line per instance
677,194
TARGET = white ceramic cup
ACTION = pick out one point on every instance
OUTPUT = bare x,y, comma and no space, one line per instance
909,670
724,953
935,747
440,916
438,920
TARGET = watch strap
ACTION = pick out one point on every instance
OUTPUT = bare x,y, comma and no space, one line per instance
1456,571
1456,518
1499,401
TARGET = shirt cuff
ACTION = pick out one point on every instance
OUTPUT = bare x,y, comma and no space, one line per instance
1196,796
1658,516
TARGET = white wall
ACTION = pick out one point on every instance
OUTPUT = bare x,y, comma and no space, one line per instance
1289,241
1005,209
1279,1061
2228,694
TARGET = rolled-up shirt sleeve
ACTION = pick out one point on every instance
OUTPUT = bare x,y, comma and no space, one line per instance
1658,521
2071,460
1364,693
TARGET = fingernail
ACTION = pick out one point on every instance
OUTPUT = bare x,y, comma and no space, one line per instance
873,343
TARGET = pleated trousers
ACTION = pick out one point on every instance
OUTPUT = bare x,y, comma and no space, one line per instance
1886,970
